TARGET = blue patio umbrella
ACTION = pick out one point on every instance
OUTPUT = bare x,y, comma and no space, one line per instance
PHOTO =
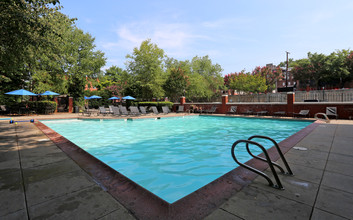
95,97
49,93
129,98
87,97
114,98
20,92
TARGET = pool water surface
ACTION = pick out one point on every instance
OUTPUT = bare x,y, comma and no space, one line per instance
171,157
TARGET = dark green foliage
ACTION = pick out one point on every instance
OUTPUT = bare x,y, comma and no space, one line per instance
40,107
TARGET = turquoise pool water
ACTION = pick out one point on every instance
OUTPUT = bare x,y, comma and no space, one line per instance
171,157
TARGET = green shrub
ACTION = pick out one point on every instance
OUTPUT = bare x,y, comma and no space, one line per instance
40,106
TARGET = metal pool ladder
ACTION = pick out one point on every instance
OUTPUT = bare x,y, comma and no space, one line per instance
266,159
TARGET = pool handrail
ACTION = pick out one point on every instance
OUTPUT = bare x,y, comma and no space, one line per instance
289,171
279,184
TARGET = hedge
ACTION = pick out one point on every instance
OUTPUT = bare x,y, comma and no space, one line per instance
40,106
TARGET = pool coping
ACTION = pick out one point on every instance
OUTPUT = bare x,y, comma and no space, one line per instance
145,205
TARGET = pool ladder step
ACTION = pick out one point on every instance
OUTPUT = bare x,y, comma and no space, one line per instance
266,159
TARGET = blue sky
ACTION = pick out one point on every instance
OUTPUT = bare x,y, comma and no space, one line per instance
237,34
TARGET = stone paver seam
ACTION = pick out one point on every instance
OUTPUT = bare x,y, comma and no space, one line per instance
21,171
323,173
63,195
231,213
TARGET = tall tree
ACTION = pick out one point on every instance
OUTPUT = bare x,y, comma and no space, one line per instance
271,76
22,24
176,84
145,64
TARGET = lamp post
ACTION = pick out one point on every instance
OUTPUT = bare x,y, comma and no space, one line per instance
287,69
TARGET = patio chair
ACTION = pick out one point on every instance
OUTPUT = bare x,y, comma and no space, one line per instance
123,110
180,109
102,111
248,112
143,110
155,110
232,110
331,111
212,110
165,109
302,113
279,113
111,109
4,109
134,110
116,111
262,113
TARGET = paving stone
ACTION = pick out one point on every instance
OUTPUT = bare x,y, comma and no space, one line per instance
221,214
322,215
335,201
253,203
305,160
338,181
47,171
343,146
12,194
47,189
118,214
294,189
305,173
39,160
21,214
340,164
90,203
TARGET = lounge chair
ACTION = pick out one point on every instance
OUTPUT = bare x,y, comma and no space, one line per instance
123,110
102,111
233,110
302,113
134,110
279,113
4,109
143,110
111,109
116,111
155,110
262,113
165,109
248,112
180,109
331,111
212,110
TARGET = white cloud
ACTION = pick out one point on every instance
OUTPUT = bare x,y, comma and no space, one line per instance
175,39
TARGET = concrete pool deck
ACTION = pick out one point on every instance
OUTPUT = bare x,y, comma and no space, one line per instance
39,181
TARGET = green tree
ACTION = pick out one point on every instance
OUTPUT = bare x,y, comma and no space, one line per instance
248,83
211,75
145,64
23,24
176,84
271,76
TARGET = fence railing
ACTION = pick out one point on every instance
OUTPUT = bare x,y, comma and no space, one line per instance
343,95
269,97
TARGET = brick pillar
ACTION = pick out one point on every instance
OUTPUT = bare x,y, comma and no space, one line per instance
182,100
290,103
57,104
71,104
224,104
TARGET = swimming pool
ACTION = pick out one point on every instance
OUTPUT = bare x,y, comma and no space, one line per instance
170,157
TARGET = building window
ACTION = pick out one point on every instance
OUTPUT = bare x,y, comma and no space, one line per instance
284,84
